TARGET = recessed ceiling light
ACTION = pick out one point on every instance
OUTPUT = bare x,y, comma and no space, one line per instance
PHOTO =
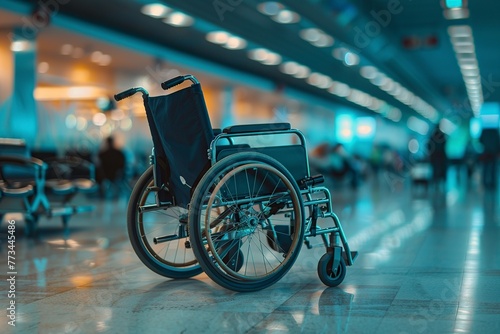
460,31
270,8
218,37
323,41
470,73
456,13
467,48
43,67
388,85
156,10
179,19
340,89
469,66
95,56
226,40
105,60
320,80
394,114
290,67
303,72
351,59
258,54
310,34
66,49
472,79
379,79
286,16
368,72
316,37
264,56
235,43
272,59
418,125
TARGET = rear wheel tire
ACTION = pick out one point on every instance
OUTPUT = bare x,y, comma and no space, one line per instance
235,204
146,221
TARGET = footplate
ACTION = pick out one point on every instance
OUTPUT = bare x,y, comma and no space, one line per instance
350,262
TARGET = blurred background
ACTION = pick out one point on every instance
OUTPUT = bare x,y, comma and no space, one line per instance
367,81
399,101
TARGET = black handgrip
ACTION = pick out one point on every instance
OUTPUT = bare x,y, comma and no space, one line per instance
125,94
173,82
312,180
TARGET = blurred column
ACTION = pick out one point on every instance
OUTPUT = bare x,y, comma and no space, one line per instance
22,111
227,114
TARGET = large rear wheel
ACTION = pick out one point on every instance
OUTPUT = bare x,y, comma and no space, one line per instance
158,234
238,204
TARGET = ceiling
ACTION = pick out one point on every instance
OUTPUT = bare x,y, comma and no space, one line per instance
430,72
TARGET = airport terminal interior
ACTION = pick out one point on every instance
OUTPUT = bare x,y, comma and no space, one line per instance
249,166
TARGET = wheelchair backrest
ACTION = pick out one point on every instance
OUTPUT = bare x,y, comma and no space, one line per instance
181,131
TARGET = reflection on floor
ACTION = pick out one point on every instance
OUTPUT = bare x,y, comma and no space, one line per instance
429,262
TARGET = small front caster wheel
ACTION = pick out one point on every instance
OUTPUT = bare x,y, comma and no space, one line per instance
328,275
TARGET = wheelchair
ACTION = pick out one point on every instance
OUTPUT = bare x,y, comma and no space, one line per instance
214,201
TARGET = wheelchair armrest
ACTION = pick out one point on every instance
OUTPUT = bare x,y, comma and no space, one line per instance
265,127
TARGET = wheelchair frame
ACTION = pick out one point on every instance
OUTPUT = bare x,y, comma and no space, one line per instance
224,269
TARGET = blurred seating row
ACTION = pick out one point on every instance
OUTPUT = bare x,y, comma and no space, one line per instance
34,187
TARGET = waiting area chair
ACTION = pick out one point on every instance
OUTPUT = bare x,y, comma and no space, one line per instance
34,187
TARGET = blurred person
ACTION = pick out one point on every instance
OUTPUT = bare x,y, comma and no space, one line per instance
491,146
112,167
376,160
470,158
335,162
436,147
343,165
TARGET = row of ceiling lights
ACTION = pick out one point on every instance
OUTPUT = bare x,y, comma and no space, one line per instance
76,52
319,38
168,15
399,92
463,45
316,37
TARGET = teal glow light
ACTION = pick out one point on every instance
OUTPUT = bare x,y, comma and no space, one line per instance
475,127
344,128
454,3
365,127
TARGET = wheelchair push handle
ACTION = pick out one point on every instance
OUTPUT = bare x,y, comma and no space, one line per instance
178,80
130,92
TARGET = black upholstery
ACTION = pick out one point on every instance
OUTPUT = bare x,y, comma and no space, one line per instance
292,157
264,127
182,134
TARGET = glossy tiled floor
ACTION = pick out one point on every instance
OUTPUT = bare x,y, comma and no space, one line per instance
429,263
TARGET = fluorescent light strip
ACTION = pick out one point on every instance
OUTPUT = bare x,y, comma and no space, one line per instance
463,45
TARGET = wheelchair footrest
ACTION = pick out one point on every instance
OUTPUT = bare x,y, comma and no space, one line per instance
354,255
